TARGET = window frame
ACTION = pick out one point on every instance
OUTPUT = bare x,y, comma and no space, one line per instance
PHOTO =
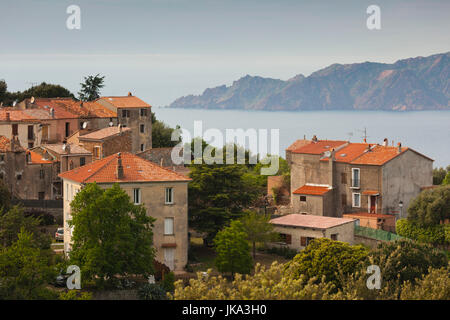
172,226
353,200
170,190
353,185
137,191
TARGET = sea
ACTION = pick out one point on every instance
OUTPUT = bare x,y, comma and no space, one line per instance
427,132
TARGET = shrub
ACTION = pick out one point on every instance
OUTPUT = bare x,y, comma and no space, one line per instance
152,291
75,295
435,234
168,282
285,252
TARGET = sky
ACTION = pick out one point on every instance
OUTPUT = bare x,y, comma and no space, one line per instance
163,49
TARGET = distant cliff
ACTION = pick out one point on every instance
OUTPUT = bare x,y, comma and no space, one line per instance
421,83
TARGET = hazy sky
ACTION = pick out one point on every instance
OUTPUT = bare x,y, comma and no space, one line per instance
163,49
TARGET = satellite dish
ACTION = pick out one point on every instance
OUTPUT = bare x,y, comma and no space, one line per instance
85,125
32,100
327,154
14,103
111,123
64,147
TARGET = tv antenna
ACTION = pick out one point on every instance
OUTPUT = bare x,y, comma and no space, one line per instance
364,132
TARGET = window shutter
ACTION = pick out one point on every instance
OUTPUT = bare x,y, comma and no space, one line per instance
288,239
303,241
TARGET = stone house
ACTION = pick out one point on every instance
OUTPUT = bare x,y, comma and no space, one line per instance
163,192
333,178
133,113
297,230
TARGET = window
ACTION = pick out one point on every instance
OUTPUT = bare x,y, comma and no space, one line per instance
143,112
41,195
30,145
356,200
125,113
168,226
30,133
142,147
15,129
142,128
97,152
41,174
169,195
137,196
67,129
355,177
303,198
19,176
304,241
2,157
286,238
334,236
82,161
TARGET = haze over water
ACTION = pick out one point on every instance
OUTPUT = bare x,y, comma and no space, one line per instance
427,132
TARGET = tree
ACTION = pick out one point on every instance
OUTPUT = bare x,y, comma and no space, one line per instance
162,135
218,194
406,260
446,180
325,258
272,283
111,235
25,269
435,234
233,251
430,207
5,197
433,286
15,220
439,174
257,228
90,88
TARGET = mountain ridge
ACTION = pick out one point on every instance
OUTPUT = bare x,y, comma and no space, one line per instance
420,83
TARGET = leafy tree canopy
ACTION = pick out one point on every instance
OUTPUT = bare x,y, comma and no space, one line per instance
233,251
431,206
90,88
111,235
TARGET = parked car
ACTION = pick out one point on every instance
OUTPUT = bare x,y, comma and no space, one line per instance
59,234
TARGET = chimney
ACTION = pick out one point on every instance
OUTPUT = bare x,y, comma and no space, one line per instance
314,138
385,142
399,147
8,117
119,166
129,94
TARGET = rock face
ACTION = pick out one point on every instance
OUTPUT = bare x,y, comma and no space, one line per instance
421,83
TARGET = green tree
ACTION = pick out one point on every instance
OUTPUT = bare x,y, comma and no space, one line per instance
435,285
5,197
218,194
406,260
435,234
446,180
12,221
233,251
25,269
90,88
439,174
112,236
431,206
162,135
325,258
257,228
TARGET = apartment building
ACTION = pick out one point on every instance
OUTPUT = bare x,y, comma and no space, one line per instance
333,178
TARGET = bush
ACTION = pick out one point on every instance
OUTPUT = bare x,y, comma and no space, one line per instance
436,234
152,291
75,295
285,252
168,282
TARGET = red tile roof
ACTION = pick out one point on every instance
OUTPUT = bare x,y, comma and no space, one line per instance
21,115
378,155
349,152
135,169
57,148
125,102
310,221
37,158
319,147
312,190
5,144
298,144
103,133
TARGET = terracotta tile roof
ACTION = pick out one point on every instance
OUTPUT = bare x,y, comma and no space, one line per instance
312,190
368,215
58,105
58,149
89,109
103,133
319,147
310,221
22,115
37,158
378,155
135,169
298,144
126,102
349,152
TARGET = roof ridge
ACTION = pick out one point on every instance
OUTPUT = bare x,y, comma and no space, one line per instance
154,164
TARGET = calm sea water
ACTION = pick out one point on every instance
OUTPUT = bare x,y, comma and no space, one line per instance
427,132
